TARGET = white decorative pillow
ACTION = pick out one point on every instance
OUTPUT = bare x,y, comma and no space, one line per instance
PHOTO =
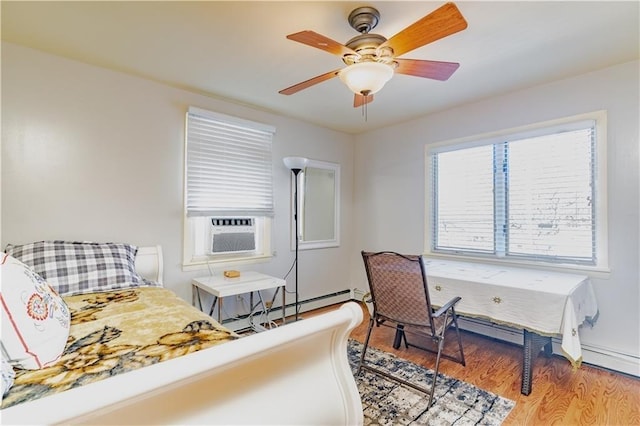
7,376
78,267
35,319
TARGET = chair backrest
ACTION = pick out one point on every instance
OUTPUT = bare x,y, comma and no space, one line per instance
398,285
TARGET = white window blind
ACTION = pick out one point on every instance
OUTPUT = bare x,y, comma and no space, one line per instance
228,166
528,196
550,207
465,199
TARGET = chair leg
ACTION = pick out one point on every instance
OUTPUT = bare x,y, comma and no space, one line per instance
399,337
455,322
435,372
366,344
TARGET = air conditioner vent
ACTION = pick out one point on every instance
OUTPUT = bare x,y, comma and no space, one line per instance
232,235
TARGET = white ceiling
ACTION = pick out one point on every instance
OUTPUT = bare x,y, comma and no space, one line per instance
238,50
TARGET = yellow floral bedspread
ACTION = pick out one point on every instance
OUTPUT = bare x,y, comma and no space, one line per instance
119,331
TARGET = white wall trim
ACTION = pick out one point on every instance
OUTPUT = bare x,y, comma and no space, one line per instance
597,356
600,182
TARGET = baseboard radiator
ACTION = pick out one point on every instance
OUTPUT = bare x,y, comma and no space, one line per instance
596,356
242,322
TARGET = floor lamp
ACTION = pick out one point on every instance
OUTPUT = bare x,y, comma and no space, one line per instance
296,165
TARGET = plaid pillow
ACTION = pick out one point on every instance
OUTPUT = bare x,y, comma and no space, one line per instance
81,267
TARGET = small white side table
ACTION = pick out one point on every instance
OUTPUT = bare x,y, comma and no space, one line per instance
248,282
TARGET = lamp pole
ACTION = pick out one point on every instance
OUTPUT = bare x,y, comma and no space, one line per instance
295,218
296,165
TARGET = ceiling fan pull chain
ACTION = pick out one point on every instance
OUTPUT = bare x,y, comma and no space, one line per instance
365,101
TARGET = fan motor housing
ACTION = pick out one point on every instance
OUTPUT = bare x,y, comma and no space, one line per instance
364,19
366,47
364,41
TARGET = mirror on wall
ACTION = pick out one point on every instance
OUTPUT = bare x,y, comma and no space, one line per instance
319,209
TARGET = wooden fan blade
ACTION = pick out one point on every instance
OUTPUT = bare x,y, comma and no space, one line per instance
440,23
321,42
359,100
427,69
308,83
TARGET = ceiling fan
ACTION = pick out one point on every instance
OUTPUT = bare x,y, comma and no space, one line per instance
372,59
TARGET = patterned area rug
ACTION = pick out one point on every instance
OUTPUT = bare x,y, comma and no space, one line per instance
386,402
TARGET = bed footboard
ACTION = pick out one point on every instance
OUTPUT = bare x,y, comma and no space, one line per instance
295,374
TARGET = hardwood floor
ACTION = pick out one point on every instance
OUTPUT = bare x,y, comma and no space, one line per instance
560,396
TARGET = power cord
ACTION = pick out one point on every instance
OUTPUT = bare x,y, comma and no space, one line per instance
289,291
287,275
263,317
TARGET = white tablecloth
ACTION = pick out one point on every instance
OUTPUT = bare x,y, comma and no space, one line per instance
547,303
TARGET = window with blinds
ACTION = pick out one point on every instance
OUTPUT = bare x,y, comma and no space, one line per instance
529,196
228,174
228,167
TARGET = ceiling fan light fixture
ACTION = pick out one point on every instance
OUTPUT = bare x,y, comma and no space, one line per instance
366,77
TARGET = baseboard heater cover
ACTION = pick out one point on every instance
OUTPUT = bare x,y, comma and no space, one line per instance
242,322
597,357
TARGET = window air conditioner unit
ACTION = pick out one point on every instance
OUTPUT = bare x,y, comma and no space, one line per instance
232,235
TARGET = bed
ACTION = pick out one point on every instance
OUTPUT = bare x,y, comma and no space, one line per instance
196,373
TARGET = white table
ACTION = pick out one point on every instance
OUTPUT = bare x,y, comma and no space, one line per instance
248,282
541,303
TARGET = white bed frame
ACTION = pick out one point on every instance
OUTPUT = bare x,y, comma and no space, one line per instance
296,374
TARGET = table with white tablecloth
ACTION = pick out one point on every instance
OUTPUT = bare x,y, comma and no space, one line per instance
542,303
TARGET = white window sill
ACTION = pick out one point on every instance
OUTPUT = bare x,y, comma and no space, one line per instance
220,263
592,271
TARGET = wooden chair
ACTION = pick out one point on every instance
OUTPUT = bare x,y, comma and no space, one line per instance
400,297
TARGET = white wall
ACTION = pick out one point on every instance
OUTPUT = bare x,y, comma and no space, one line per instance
92,154
390,184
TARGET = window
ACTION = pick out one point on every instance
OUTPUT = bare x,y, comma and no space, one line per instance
228,180
528,195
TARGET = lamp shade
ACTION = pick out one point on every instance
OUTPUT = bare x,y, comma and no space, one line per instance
366,78
295,163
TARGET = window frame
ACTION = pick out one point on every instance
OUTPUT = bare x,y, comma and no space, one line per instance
600,191
192,224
